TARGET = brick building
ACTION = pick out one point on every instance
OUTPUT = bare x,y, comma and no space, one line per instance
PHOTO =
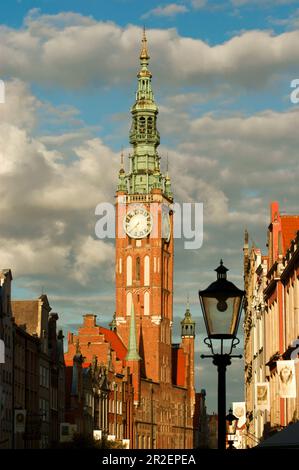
6,369
98,386
139,346
271,322
26,388
39,373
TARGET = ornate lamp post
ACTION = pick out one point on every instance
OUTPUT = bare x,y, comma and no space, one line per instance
231,428
221,305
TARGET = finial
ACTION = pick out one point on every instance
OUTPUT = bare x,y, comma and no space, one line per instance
144,52
221,271
167,164
122,158
188,303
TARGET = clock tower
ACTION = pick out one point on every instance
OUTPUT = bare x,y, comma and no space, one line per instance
144,240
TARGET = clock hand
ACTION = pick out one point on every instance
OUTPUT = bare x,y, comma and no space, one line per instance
135,226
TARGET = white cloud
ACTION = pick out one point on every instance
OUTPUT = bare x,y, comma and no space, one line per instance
68,51
92,254
240,3
198,4
292,22
170,10
47,201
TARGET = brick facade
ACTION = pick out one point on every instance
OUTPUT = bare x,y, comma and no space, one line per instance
271,322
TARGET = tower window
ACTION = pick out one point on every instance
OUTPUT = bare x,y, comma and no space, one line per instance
129,271
146,303
150,125
146,271
142,125
138,269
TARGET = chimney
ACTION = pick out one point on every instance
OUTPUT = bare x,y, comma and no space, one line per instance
89,320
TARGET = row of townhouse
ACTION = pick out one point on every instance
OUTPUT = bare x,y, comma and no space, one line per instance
271,327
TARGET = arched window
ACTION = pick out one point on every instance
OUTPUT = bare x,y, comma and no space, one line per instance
129,270
150,125
129,303
146,303
142,125
146,270
138,269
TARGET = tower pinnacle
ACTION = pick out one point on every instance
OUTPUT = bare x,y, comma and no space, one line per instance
144,52
144,173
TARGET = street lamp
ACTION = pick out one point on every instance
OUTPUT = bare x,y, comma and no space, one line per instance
231,428
221,305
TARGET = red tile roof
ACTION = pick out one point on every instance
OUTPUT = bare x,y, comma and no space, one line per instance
289,228
116,343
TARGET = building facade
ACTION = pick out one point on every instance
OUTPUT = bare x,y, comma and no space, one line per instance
271,324
32,407
6,368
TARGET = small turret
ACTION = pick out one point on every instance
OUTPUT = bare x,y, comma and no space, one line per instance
167,183
188,324
112,324
122,184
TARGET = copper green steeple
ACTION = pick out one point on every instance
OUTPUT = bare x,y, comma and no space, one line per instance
144,173
132,354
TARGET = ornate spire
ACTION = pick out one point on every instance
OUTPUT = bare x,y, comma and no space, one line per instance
122,169
167,181
122,185
144,52
145,173
132,354
188,324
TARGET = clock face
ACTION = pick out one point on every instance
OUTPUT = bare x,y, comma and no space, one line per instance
166,226
138,223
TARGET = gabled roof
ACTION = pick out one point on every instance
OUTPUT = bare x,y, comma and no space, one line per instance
26,312
289,228
116,343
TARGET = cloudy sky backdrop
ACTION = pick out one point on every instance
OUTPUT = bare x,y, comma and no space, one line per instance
221,77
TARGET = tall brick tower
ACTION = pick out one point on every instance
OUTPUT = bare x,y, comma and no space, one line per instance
188,337
144,238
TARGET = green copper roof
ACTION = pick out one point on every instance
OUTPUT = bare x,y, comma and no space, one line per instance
144,173
132,354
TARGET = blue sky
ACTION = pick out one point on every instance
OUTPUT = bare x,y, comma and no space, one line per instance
221,78
214,22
